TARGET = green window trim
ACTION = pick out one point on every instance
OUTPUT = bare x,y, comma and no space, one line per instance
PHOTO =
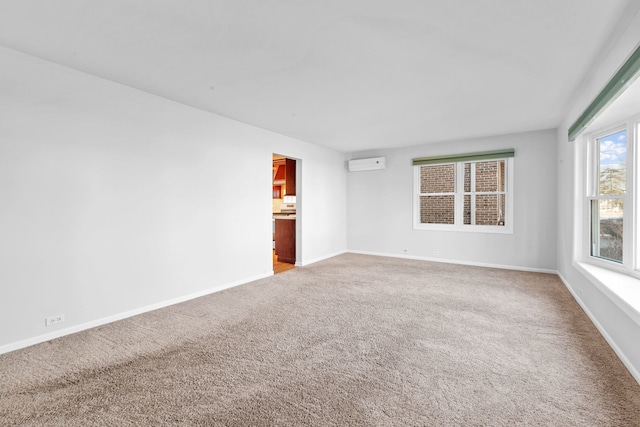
620,81
467,157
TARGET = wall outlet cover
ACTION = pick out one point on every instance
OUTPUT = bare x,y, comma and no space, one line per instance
50,321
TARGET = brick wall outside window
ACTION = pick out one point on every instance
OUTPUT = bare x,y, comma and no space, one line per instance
489,208
438,179
437,209
489,177
440,209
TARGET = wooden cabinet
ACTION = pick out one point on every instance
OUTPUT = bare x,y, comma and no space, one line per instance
279,173
290,177
285,240
284,178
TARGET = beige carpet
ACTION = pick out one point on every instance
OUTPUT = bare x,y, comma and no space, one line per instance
354,340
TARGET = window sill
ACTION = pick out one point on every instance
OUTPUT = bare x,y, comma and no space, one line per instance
464,228
622,289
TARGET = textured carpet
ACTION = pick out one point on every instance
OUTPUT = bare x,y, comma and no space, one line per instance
353,340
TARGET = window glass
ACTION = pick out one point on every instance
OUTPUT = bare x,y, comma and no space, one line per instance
607,205
437,209
489,209
466,214
437,202
606,229
467,177
489,176
612,163
438,178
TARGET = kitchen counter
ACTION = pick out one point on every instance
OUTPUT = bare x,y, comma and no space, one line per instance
284,216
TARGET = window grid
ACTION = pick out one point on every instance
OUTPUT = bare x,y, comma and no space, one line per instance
465,199
472,193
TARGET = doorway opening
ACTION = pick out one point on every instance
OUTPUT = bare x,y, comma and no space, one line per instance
284,213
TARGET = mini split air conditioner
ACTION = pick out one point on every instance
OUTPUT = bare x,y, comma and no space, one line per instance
375,163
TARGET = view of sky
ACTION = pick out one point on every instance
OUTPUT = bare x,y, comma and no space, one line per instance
613,150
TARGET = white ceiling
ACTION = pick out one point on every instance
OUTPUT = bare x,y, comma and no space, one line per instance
347,74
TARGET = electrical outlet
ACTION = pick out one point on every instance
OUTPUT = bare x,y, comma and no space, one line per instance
50,321
436,253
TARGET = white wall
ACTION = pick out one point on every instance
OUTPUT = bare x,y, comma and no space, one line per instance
380,203
114,200
622,332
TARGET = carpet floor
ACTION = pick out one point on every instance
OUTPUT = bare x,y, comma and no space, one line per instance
353,340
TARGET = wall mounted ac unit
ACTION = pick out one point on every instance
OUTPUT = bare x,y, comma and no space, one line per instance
372,164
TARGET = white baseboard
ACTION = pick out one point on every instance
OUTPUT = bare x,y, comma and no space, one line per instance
623,357
109,319
322,258
451,261
103,321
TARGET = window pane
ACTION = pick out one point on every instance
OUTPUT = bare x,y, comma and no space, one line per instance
437,209
466,217
501,176
438,178
489,209
489,176
467,178
606,229
612,163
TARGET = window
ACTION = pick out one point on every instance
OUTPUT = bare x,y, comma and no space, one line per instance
610,196
606,238
469,192
607,195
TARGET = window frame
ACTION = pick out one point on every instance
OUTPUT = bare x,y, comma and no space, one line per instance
459,194
630,252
